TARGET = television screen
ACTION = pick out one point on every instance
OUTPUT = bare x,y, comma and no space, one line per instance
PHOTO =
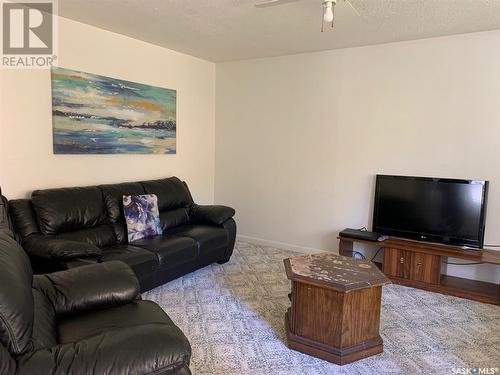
431,209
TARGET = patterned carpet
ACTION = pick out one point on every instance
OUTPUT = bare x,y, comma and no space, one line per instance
233,315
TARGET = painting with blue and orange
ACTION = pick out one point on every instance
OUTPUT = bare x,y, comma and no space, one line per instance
93,114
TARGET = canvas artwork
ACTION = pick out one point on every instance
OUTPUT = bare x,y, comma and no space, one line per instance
93,114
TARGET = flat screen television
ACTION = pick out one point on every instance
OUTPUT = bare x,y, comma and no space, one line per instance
440,210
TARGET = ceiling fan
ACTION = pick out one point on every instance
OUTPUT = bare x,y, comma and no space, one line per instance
328,8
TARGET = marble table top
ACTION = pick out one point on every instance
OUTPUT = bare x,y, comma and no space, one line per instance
335,271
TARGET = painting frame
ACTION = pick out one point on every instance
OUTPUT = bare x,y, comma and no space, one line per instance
95,114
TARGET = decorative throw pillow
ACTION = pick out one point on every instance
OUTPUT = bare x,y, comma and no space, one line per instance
142,216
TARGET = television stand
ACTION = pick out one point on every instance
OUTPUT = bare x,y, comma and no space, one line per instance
418,264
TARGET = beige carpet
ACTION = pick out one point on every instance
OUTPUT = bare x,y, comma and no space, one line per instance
233,316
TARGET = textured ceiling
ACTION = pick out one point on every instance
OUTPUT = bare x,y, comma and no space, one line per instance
222,30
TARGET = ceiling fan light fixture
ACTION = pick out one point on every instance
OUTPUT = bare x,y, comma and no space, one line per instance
328,9
328,13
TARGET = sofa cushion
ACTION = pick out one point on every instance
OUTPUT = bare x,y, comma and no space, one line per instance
69,209
174,218
93,323
113,198
142,216
170,250
7,364
140,260
207,237
171,193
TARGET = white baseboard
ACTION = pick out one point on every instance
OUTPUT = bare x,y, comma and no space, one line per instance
279,245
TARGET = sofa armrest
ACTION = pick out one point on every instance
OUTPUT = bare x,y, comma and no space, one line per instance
55,248
142,349
89,287
216,215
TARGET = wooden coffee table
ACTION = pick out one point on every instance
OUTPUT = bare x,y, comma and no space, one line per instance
335,312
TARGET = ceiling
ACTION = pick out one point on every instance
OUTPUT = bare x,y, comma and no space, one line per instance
224,30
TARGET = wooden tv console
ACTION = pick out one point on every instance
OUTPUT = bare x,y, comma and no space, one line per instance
418,264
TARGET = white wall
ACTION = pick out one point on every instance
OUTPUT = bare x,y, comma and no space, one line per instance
26,158
300,138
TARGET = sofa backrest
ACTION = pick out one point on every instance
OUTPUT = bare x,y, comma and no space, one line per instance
174,200
16,298
23,217
68,209
76,214
113,198
95,214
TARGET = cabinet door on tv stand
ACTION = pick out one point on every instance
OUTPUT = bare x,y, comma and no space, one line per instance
397,263
426,268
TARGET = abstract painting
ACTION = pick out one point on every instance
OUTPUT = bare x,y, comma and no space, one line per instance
93,114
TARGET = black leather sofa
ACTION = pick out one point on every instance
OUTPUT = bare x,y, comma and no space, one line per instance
86,320
70,227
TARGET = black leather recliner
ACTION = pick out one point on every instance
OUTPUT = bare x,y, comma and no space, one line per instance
69,227
87,320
